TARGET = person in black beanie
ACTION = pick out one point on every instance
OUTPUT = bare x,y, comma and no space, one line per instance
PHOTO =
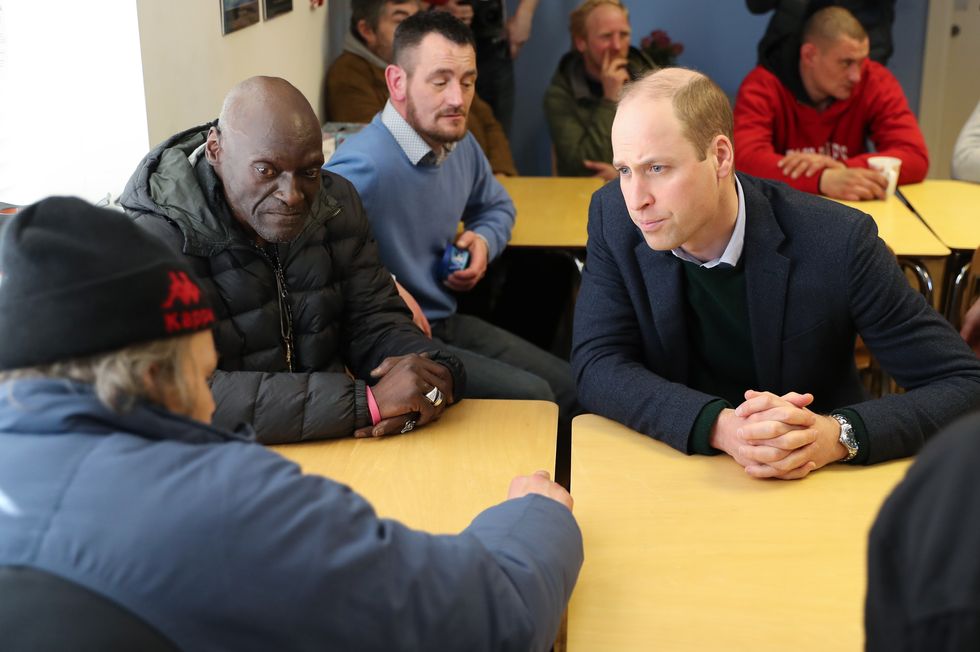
127,521
77,284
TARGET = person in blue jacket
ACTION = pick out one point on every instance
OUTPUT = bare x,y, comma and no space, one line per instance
112,478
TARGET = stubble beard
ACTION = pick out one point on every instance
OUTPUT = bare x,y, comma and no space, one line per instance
436,135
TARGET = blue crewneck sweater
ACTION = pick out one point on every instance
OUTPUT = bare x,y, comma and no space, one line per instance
415,210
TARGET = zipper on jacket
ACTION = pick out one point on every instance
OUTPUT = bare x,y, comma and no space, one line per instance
282,294
271,256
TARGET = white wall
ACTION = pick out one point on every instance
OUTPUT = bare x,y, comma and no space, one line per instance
188,66
72,116
86,88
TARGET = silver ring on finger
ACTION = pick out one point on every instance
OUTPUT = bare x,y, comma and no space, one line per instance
435,397
409,426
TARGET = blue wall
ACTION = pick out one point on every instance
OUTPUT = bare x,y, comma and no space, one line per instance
719,38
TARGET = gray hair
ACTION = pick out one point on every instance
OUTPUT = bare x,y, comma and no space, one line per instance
120,377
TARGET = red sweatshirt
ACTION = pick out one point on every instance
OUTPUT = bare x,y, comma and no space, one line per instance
770,121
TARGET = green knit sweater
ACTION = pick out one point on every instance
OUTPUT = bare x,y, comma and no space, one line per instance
720,352
719,343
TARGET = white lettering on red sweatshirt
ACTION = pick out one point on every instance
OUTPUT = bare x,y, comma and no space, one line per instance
770,122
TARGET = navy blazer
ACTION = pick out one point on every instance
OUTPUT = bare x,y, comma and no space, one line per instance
816,276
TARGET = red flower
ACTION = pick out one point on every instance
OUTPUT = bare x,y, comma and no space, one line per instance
661,50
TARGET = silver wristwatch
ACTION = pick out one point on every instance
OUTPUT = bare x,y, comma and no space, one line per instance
847,438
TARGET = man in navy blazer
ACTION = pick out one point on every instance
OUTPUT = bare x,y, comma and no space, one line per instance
718,312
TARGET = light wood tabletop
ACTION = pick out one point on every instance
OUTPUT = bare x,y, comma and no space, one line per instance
689,553
950,208
439,477
554,212
551,211
900,228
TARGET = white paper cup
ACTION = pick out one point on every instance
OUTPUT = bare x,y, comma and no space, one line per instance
888,166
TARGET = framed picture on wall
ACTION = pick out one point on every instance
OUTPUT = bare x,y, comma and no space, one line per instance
236,14
275,7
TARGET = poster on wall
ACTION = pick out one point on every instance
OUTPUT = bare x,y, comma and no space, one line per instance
236,14
275,7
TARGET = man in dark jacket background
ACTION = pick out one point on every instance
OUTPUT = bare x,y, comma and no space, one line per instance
287,256
112,479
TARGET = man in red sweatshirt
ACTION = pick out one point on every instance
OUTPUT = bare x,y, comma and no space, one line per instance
806,122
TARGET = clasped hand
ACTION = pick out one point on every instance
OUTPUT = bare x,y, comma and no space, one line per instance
777,436
794,164
401,393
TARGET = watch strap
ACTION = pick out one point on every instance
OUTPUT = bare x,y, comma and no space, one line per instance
847,438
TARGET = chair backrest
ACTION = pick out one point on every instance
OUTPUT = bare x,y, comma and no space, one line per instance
41,612
966,288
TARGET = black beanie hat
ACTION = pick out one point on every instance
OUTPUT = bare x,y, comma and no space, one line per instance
79,280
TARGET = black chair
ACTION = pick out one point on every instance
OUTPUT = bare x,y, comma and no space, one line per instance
41,612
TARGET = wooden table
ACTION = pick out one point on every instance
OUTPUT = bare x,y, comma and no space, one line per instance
689,553
439,477
950,208
920,252
900,228
952,211
554,212
551,211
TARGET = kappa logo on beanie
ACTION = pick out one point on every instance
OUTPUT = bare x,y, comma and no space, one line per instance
182,288
191,317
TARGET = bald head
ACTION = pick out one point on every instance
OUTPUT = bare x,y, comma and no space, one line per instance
266,101
701,107
267,151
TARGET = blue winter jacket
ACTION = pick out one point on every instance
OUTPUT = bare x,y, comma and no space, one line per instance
223,545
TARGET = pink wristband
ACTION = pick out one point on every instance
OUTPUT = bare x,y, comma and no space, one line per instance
373,407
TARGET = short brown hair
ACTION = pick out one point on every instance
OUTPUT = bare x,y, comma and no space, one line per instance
413,30
576,21
831,23
700,105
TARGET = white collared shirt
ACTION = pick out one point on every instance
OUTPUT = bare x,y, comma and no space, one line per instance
415,148
733,252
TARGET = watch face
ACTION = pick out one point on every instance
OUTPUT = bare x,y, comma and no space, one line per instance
847,438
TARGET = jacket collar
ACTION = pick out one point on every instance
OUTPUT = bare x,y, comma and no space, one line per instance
663,277
176,181
48,406
766,282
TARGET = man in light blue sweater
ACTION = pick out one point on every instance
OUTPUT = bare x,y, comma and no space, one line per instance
418,172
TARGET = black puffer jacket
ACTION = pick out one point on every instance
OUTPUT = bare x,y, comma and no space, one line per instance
345,311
